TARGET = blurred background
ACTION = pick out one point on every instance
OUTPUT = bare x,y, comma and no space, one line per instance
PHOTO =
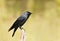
43,24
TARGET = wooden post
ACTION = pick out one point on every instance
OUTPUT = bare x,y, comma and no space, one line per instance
23,35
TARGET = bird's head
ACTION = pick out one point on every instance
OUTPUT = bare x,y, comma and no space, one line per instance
28,13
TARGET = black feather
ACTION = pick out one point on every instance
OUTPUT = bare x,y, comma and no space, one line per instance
14,31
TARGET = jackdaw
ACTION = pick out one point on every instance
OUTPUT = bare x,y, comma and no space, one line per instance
20,21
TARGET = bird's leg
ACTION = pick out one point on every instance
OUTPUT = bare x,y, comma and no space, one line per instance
21,28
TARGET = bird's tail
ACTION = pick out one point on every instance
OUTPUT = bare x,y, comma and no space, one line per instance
14,31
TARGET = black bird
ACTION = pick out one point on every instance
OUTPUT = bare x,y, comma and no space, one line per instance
20,21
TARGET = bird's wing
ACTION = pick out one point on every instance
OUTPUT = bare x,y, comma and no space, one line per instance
17,23
14,25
